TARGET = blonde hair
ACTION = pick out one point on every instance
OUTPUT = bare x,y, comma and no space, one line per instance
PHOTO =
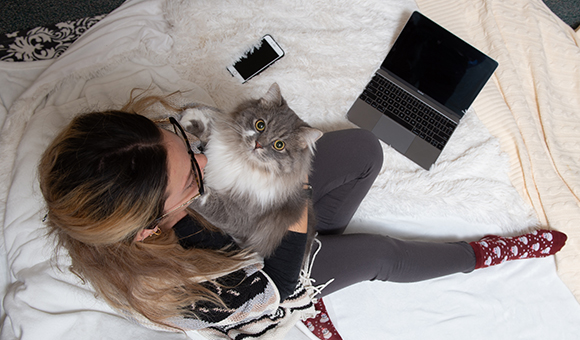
104,179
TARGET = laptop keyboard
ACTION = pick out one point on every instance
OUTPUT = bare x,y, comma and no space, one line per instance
408,111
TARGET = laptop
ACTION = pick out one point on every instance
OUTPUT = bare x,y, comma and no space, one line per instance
423,88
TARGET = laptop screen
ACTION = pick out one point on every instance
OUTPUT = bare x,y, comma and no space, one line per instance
439,64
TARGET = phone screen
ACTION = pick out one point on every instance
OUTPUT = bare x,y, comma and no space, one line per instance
256,60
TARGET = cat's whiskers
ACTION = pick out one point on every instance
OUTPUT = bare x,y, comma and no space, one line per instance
235,127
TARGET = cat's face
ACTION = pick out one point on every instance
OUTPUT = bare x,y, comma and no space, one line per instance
272,136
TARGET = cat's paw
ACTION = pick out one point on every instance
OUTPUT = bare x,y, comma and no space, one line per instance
198,121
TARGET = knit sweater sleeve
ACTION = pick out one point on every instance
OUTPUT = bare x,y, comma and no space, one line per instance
247,294
252,308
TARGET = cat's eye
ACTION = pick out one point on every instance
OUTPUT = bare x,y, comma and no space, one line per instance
279,145
260,125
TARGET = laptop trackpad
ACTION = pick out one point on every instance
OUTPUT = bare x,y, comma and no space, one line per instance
393,134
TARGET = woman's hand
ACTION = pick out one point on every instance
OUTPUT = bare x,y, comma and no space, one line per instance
302,225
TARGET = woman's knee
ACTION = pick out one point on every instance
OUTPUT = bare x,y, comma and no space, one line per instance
375,149
363,147
369,149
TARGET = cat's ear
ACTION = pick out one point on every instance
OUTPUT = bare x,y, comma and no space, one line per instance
309,137
273,97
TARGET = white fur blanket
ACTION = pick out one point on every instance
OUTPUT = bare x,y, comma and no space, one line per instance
332,48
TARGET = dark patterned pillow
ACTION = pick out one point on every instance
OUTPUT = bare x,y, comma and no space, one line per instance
42,43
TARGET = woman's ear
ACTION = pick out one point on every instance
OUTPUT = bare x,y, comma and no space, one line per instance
143,234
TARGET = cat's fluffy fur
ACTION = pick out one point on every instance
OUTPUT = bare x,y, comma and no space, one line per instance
254,189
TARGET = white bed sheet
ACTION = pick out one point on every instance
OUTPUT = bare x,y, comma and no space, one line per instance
133,47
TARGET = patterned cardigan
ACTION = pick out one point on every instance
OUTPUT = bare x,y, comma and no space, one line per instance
253,308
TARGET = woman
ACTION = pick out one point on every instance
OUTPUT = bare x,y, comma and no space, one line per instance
117,187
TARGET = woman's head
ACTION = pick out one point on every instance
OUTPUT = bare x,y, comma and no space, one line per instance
104,177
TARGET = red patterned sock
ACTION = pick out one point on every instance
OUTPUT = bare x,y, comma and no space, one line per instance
492,250
320,325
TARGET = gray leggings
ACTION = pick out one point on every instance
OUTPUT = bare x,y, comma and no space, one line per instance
345,166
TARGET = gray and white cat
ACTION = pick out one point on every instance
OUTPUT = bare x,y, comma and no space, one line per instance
259,157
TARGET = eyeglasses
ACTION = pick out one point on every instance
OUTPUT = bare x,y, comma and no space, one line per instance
178,129
194,165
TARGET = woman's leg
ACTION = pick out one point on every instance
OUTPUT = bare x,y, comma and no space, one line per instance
353,258
345,166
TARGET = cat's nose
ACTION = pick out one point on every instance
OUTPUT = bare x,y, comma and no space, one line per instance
258,145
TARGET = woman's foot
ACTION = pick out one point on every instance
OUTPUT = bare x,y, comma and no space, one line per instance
492,250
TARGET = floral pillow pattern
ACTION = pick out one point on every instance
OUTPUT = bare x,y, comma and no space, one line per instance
45,42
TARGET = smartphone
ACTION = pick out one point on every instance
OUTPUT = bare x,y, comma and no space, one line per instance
256,59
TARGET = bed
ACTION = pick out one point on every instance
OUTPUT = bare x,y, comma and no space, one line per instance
514,162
